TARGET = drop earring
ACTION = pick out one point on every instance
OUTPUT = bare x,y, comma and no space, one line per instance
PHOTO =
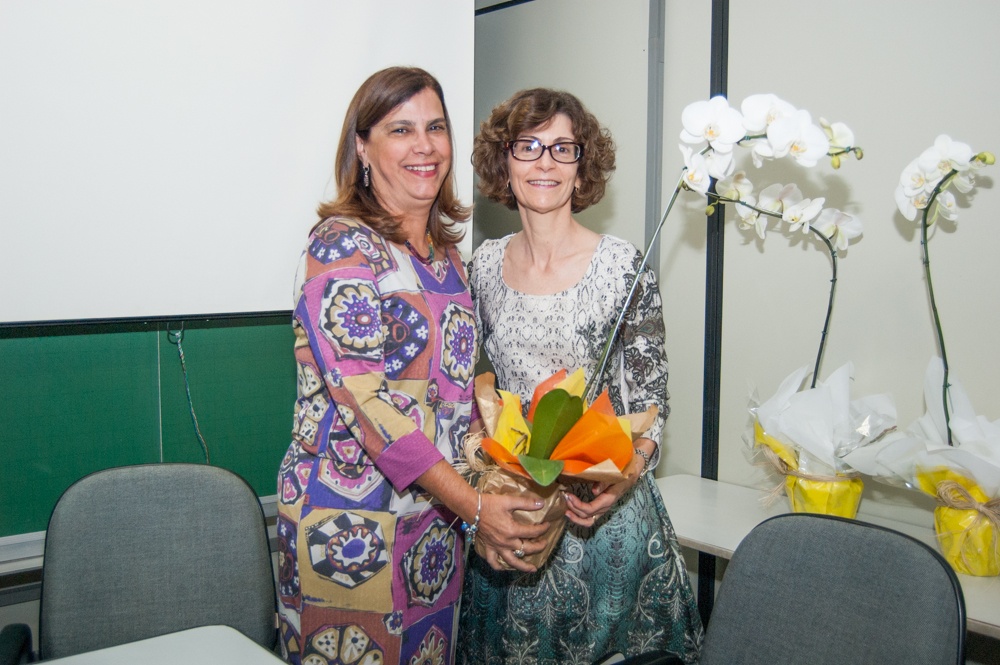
364,178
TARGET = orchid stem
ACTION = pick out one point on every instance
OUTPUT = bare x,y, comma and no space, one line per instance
930,292
595,378
833,279
829,304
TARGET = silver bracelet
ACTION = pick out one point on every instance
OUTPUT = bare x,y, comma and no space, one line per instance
645,456
471,529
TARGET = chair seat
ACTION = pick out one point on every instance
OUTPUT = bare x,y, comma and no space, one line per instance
804,588
139,551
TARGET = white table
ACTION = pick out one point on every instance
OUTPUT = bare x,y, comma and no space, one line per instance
713,517
207,645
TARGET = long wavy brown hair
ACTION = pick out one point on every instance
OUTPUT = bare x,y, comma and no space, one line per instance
375,99
525,111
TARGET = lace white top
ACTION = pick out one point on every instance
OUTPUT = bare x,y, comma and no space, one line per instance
528,337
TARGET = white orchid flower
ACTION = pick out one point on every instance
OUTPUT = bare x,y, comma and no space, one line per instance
796,135
750,217
759,151
696,175
799,215
759,111
838,226
946,206
713,121
944,156
719,164
965,182
910,205
839,134
914,180
776,198
905,203
737,186
921,200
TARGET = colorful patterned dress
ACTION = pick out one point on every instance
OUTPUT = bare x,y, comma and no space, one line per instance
618,586
370,567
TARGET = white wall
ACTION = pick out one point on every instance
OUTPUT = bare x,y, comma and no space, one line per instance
687,59
605,65
166,157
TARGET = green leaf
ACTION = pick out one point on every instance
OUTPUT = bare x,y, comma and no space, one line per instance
542,471
556,413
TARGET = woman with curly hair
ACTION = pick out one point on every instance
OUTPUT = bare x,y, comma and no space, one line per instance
546,298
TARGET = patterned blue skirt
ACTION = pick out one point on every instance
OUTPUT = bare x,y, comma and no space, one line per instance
618,586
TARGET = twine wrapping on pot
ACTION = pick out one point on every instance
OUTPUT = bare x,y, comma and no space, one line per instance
773,460
951,494
488,478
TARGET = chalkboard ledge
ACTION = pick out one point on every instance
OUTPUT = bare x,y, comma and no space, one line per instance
23,553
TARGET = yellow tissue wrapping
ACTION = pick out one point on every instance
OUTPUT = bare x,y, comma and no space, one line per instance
761,438
829,497
512,432
805,495
968,541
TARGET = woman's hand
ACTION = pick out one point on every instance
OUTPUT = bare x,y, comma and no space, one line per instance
586,513
497,528
503,535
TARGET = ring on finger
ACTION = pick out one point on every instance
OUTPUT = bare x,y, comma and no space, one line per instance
519,553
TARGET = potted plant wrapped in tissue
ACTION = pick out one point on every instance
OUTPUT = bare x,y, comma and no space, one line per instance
950,452
809,457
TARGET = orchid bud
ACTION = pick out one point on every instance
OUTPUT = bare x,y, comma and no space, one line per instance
987,158
709,210
835,161
858,153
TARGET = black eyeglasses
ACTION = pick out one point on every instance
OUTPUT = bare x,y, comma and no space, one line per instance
529,150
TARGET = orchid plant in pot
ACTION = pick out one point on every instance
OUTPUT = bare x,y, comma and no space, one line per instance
802,432
950,452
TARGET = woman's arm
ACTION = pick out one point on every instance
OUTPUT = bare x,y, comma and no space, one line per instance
645,365
501,533
340,312
645,373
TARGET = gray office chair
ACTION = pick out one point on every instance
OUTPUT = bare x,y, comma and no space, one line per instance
805,588
139,551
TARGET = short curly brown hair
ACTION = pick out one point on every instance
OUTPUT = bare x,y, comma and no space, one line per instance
525,111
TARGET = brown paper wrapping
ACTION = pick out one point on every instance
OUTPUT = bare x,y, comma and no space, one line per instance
498,481
495,480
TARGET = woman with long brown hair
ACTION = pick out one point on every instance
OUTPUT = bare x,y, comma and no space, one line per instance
370,507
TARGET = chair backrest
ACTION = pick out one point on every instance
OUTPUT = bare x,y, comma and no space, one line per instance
139,551
805,588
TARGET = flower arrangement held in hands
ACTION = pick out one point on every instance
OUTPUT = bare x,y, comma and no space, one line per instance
560,436
561,440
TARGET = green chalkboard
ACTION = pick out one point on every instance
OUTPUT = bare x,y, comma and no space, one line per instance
76,400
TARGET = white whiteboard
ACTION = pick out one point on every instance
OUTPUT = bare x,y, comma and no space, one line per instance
165,157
